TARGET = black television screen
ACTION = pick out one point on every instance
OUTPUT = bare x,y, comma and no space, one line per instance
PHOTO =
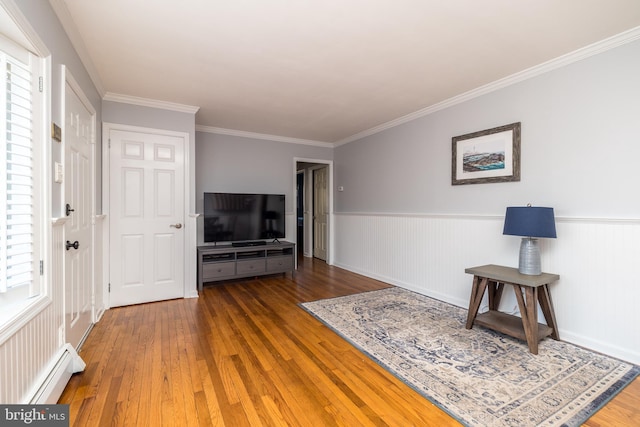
235,217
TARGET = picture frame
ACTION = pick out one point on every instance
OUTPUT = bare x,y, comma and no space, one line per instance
487,156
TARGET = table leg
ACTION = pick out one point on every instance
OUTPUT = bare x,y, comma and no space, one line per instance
495,294
529,314
477,291
546,305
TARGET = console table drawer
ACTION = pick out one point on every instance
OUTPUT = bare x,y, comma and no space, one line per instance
215,270
280,264
250,266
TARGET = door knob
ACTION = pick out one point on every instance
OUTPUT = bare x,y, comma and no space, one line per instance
73,245
178,226
68,209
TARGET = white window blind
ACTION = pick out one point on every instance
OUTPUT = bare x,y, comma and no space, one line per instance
18,226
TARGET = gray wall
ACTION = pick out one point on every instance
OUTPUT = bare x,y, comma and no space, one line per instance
154,118
580,148
244,165
45,22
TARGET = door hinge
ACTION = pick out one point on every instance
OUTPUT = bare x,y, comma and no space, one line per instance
41,267
109,142
41,84
109,287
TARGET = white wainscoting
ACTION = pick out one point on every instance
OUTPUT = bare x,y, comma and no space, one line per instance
26,355
191,255
99,299
596,298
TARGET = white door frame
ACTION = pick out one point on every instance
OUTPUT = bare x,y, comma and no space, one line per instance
67,78
190,225
330,219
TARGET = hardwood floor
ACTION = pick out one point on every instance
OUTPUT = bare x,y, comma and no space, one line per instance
245,354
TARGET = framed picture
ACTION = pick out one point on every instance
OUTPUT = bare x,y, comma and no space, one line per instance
491,155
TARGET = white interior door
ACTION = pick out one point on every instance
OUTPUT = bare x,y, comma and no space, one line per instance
79,143
320,213
146,217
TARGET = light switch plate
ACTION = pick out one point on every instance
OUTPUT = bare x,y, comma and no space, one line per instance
58,173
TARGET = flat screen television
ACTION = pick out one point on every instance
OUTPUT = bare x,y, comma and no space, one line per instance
238,217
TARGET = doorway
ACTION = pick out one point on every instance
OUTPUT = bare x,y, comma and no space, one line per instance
313,182
79,202
147,170
320,213
300,211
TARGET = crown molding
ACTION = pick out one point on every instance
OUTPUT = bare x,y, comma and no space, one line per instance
153,103
559,62
22,31
69,27
263,136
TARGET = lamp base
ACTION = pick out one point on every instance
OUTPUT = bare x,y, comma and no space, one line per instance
529,262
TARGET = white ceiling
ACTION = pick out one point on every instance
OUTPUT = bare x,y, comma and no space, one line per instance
324,70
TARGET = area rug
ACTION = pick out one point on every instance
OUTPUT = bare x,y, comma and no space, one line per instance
480,377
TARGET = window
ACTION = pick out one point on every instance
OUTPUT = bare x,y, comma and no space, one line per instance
21,154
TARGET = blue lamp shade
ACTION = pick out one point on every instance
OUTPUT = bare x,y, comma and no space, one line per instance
529,221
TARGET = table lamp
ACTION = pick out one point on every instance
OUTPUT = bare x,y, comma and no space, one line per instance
530,222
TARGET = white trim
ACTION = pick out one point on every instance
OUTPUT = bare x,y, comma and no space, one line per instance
422,215
190,234
153,103
67,77
69,26
264,136
561,219
56,222
24,25
42,117
105,238
98,264
585,52
582,53
331,222
27,313
575,56
561,61
142,129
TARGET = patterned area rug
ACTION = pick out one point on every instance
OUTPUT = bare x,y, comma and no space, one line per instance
480,377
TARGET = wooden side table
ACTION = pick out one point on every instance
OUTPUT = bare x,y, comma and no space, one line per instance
536,289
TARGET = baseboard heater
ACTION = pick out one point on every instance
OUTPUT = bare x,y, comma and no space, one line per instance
52,383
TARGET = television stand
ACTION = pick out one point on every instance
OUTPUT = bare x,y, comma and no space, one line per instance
225,262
